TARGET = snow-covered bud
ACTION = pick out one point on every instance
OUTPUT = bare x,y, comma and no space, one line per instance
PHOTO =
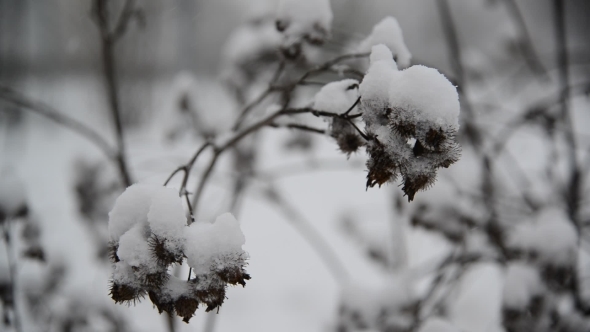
149,232
339,97
217,249
412,117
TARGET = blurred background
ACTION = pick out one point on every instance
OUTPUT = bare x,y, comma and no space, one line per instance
325,254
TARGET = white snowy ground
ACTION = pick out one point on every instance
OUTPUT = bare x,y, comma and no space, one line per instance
291,289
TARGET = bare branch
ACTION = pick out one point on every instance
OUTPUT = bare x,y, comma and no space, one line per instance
526,46
47,111
101,14
125,18
298,127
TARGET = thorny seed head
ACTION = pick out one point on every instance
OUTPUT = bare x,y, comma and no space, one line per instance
346,136
185,307
162,254
122,293
164,304
382,168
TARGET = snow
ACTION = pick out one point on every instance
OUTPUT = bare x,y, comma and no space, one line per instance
375,85
418,93
166,215
426,95
437,325
130,209
522,282
551,236
12,194
305,16
206,241
133,246
249,41
175,287
336,97
389,33
123,274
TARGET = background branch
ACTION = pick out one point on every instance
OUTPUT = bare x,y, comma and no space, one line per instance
47,111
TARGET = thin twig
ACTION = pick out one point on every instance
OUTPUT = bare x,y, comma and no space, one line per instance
358,100
124,19
526,45
455,55
246,110
101,15
298,127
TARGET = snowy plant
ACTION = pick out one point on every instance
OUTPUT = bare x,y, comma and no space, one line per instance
496,245
149,233
411,118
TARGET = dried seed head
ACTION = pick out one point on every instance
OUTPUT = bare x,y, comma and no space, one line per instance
113,247
416,181
161,252
156,280
230,269
346,136
123,293
210,290
382,167
185,307
163,303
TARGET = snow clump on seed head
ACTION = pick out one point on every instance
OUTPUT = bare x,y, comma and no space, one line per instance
149,232
411,117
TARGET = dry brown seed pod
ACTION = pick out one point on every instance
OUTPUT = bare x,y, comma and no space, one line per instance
185,307
162,305
161,253
122,293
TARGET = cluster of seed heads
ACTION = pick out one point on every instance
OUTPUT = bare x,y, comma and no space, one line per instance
168,293
401,145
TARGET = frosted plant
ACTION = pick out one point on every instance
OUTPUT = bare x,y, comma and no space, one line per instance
337,97
149,232
411,118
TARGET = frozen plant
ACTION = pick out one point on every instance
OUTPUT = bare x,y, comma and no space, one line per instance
149,233
411,118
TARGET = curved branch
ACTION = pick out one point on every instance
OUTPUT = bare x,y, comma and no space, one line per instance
47,111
